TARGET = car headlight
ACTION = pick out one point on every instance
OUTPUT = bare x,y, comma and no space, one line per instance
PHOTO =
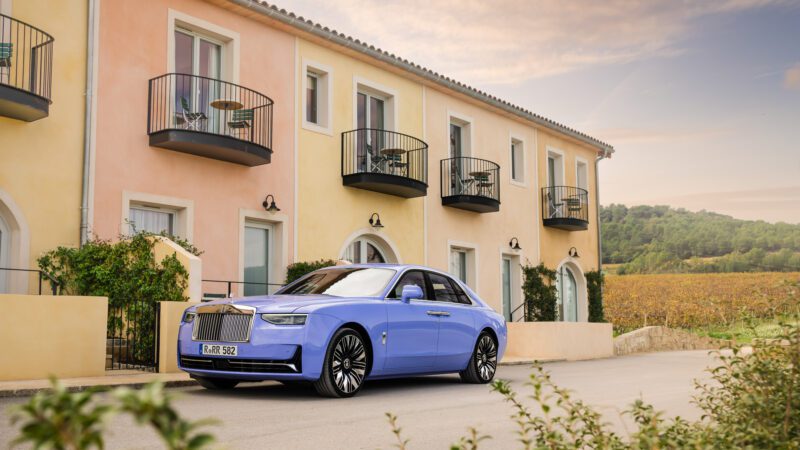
188,317
285,319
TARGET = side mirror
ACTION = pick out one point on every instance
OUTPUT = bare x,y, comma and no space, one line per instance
411,292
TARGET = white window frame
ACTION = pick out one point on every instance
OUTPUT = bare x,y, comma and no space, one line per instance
523,181
578,163
183,222
559,154
472,261
228,39
324,76
467,132
377,90
159,209
270,248
279,241
516,281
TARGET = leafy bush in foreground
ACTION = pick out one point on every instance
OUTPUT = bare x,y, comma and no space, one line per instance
753,402
298,269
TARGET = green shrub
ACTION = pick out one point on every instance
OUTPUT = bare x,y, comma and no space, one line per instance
540,293
595,280
59,419
298,269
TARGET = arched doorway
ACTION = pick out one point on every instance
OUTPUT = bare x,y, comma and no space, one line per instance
368,248
571,287
14,242
5,247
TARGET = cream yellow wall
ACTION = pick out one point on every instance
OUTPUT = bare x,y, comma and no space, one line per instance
555,243
489,233
328,212
171,317
41,161
62,336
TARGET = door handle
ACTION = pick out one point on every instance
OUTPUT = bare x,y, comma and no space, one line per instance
438,313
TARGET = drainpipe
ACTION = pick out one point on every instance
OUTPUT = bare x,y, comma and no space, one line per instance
597,160
87,133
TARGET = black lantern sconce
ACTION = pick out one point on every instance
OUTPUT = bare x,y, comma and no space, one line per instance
514,244
375,220
269,205
573,252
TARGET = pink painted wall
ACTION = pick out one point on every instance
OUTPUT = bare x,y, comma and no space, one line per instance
133,49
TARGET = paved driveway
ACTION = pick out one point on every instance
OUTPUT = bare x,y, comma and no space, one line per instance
433,411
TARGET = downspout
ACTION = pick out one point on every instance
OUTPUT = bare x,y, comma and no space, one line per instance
597,160
87,133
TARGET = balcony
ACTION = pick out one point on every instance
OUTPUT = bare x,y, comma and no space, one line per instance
26,61
385,161
470,184
565,208
210,118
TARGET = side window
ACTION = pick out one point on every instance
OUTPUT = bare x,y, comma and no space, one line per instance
461,296
442,288
413,277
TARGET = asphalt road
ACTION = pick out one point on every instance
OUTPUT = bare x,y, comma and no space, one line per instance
433,411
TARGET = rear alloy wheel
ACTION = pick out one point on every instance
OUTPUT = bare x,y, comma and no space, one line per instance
345,365
216,384
483,364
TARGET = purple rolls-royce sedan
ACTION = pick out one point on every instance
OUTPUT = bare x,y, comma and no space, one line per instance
339,326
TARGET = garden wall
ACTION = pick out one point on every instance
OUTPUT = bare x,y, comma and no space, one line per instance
570,341
659,339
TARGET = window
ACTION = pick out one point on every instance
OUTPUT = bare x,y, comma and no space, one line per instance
257,258
582,174
555,168
365,250
413,277
460,136
4,257
317,102
461,296
517,161
458,264
442,289
342,282
152,220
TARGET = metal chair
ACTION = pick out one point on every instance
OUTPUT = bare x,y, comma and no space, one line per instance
242,121
6,52
191,120
554,207
462,185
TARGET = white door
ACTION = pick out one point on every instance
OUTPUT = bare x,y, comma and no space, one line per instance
507,288
364,250
5,244
458,264
202,57
370,115
257,245
568,295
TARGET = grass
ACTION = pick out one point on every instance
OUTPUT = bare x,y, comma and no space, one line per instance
743,332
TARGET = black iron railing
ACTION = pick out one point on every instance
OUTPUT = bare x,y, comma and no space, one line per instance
207,105
565,202
373,151
133,335
250,288
470,176
41,276
26,57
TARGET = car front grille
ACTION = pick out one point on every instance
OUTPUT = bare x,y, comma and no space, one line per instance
222,327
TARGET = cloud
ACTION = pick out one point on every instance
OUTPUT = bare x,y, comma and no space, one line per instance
791,79
510,41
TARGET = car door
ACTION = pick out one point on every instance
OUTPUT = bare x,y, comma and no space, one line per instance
457,334
411,332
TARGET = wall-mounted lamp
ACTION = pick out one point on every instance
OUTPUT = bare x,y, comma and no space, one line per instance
514,244
269,205
573,252
375,220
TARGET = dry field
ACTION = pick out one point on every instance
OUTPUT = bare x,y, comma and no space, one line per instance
698,300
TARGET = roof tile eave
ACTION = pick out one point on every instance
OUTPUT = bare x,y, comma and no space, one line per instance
317,29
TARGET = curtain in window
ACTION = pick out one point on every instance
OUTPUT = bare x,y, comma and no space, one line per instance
151,221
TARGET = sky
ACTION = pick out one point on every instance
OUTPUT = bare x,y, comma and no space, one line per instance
700,99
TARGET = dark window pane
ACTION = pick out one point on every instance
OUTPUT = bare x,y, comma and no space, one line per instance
311,99
461,296
414,277
442,289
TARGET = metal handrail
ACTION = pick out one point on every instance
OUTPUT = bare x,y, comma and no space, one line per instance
385,152
54,284
168,93
524,312
26,57
465,175
230,284
565,202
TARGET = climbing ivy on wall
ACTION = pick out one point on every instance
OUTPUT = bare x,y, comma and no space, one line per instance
540,293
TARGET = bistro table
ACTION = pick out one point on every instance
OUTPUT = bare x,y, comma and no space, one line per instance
226,104
394,155
482,177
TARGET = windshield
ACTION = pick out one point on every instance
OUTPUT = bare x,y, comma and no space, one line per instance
342,282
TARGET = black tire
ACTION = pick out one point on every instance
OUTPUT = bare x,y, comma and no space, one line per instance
483,363
216,384
345,365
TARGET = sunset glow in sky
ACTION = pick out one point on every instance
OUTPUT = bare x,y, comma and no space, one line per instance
701,99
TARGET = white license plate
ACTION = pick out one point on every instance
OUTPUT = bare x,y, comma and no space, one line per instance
218,350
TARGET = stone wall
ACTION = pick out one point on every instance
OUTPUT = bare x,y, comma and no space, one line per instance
659,339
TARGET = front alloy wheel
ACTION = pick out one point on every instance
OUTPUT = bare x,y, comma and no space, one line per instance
345,365
483,364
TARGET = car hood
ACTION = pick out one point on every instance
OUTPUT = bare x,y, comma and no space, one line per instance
284,303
